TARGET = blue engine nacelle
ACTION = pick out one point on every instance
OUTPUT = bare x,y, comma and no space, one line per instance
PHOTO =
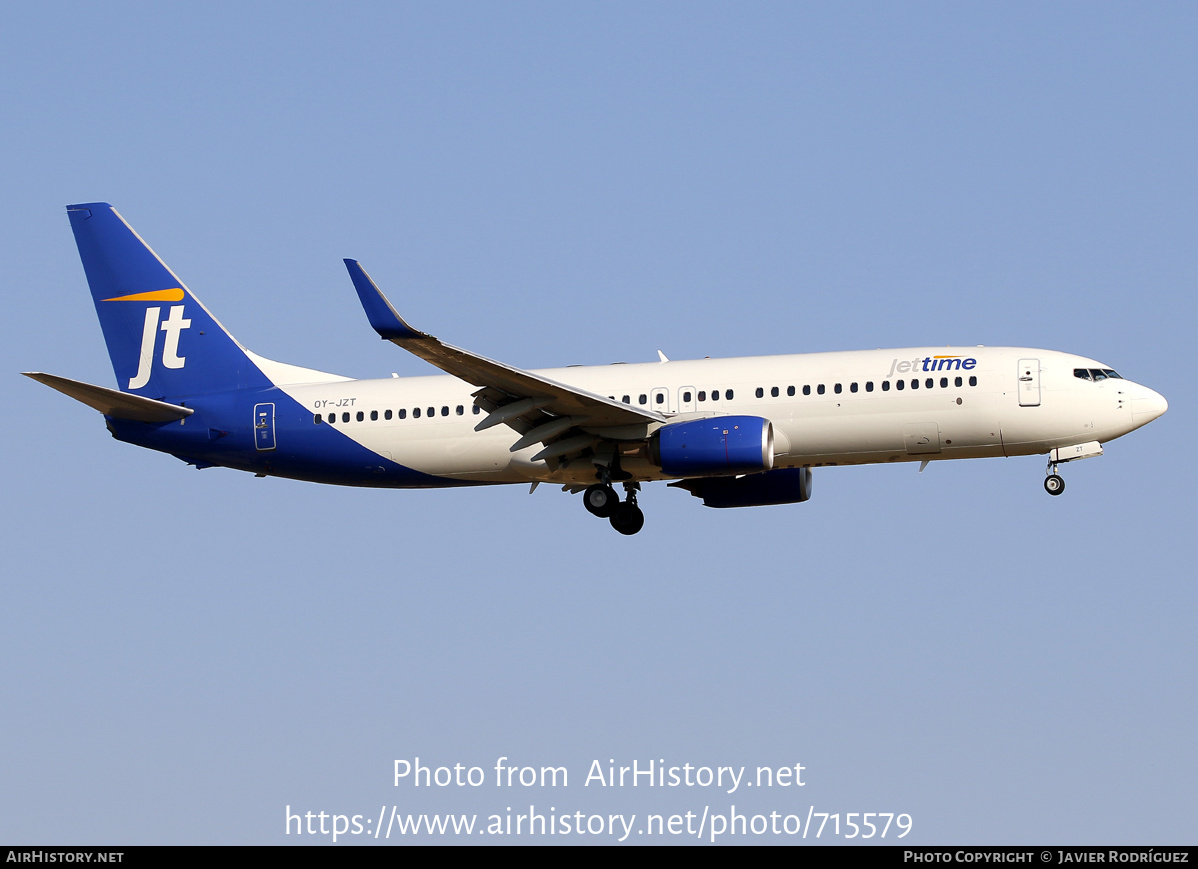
783,486
718,445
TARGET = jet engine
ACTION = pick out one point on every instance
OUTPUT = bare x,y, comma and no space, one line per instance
714,446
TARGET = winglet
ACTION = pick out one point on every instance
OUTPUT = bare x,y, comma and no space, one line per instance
382,316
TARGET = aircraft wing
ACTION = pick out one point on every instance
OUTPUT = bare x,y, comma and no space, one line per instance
540,408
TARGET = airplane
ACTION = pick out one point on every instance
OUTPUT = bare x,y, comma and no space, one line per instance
735,432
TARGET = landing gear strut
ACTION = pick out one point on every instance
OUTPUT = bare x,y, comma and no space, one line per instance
1054,484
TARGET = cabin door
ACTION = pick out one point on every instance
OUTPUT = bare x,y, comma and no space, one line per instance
1029,382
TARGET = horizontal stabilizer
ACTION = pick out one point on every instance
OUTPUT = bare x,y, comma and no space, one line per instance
111,402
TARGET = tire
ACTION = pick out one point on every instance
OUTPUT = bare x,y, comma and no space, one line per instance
600,500
1054,485
628,519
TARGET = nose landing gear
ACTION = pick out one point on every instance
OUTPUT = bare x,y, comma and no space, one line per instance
1054,483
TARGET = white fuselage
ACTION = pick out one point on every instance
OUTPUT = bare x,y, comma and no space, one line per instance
826,409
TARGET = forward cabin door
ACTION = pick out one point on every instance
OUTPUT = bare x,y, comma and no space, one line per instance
1029,382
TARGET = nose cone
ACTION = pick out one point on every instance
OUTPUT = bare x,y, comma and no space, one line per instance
1147,405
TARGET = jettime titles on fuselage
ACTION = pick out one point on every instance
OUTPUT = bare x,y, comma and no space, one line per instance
932,363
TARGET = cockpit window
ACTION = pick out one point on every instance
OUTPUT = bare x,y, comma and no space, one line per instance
1111,374
1083,373
1096,374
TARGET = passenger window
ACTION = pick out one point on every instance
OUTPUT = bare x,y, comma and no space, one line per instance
460,410
760,392
432,411
345,417
332,417
642,399
715,395
659,398
820,389
686,396
914,383
886,385
869,386
774,392
790,390
973,381
415,413
476,410
403,413
445,410
627,399
374,415
702,395
387,413
929,383
944,383
728,394
900,385
852,387
957,381
837,389
807,389
318,419
361,416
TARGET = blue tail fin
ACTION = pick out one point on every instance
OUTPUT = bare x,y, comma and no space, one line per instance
162,341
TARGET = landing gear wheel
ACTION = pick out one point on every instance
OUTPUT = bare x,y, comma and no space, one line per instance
1054,485
628,518
600,500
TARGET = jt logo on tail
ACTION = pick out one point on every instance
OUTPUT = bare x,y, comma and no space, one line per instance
172,326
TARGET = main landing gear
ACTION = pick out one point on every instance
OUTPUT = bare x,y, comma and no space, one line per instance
1054,484
601,500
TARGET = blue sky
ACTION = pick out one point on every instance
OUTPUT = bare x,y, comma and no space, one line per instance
183,655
